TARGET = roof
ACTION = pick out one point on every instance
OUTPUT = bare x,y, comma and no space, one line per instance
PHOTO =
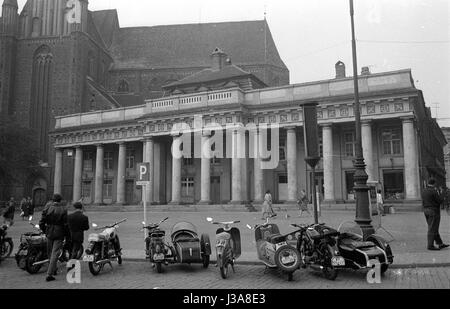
189,45
107,22
210,75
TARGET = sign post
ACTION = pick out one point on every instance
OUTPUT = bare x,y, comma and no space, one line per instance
143,171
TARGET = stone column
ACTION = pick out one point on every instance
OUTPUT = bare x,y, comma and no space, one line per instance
99,174
236,173
77,175
292,165
328,168
176,178
258,173
121,174
367,144
410,150
205,172
149,158
58,171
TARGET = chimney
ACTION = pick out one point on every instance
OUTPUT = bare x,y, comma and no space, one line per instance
219,59
340,70
365,71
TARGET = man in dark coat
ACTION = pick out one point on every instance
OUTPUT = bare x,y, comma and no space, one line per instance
54,224
431,201
78,223
8,214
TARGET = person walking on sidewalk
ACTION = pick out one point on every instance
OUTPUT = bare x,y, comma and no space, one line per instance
431,201
78,224
303,203
267,210
54,224
8,214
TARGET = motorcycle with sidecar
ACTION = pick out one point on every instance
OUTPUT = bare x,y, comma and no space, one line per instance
157,250
275,250
361,253
228,246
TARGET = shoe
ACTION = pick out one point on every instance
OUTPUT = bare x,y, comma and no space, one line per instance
443,246
433,248
50,279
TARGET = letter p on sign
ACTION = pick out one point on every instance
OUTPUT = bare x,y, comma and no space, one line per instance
143,174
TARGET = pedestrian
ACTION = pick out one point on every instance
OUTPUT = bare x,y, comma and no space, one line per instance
431,201
24,209
78,224
380,203
267,210
303,203
8,214
30,207
54,224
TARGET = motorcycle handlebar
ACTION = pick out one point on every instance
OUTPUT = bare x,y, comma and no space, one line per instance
155,225
110,226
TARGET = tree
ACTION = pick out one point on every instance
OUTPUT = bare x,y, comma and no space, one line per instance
19,155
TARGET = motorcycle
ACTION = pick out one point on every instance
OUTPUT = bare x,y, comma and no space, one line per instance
189,248
228,246
6,243
158,251
103,248
32,253
275,250
318,249
360,254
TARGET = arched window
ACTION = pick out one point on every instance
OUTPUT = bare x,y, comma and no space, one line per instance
41,96
123,86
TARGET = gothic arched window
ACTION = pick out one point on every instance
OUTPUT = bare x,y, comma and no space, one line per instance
41,96
123,86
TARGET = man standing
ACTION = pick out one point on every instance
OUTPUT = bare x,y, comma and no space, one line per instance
8,215
431,201
78,223
54,224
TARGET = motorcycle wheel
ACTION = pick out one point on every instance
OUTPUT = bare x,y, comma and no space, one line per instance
287,266
6,249
32,258
95,268
328,271
159,268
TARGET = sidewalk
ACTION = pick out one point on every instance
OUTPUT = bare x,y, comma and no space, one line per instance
408,228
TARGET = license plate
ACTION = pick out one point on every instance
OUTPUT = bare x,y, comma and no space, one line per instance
158,257
88,258
338,261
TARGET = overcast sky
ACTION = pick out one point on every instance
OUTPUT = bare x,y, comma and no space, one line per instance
312,35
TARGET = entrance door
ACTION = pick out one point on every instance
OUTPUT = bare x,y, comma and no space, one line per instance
39,198
215,190
129,192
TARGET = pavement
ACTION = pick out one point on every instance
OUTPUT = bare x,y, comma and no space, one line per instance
408,229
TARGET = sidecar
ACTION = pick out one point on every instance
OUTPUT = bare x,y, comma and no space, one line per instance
361,254
190,249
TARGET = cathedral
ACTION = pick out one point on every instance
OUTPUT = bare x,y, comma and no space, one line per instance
53,65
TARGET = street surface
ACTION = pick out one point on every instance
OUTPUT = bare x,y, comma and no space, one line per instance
140,275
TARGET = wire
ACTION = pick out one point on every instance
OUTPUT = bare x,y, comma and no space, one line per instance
319,50
404,42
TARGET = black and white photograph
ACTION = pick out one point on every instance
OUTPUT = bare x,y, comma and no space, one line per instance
224,150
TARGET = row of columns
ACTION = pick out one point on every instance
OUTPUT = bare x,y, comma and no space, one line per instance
410,150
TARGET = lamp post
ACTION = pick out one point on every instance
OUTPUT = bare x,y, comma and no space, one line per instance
363,216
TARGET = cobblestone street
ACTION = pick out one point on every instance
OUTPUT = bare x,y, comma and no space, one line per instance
140,275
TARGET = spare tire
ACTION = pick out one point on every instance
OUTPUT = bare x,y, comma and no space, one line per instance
288,259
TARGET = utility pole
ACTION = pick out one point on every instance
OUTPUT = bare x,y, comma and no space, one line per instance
363,215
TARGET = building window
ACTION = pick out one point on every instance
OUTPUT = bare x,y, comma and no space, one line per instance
187,186
349,144
88,161
130,158
86,190
392,141
282,149
188,161
393,185
321,145
108,161
108,188
350,185
123,86
216,160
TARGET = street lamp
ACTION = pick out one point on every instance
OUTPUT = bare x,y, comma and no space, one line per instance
363,216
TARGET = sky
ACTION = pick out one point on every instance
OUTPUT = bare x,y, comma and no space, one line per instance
312,35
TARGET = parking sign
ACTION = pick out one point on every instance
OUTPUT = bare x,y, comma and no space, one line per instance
143,172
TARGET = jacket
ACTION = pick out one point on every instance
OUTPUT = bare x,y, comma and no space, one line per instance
9,211
78,223
54,221
431,198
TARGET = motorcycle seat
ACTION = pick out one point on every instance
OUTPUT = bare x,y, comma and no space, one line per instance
276,238
356,244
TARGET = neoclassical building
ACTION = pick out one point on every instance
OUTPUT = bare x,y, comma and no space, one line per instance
97,152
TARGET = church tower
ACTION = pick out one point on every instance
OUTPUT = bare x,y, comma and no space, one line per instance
8,48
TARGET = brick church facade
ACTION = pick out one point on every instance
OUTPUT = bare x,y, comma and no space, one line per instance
50,67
